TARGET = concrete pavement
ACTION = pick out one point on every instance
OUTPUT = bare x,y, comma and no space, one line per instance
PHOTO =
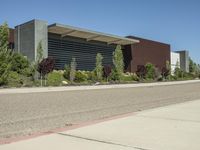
175,127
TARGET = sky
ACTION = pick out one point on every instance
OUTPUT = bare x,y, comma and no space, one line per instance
176,22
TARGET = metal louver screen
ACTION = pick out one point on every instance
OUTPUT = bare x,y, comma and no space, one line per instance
63,49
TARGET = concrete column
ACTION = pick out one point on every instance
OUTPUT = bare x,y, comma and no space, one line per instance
184,60
27,37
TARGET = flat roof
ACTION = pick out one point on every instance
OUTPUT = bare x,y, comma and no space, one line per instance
65,30
145,39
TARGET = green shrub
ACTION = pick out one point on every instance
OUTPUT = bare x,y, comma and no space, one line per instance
5,64
129,77
189,76
182,75
150,74
90,75
29,72
55,78
115,76
4,72
19,62
178,73
66,73
14,79
27,81
81,76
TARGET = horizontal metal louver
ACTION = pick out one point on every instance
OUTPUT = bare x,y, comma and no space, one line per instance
63,49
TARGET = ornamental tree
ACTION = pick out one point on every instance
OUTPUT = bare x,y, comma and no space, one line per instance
5,54
118,61
72,69
99,68
46,66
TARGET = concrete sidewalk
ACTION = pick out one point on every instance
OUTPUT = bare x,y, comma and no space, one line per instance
90,87
175,127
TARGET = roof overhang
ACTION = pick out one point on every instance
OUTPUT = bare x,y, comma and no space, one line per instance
65,30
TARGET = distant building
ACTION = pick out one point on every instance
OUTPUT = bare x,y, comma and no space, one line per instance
180,59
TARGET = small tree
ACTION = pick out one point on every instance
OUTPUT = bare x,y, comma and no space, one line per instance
40,50
4,34
198,69
45,66
118,62
5,65
39,58
193,68
5,54
99,68
73,69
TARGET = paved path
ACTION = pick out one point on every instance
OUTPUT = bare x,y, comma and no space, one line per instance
33,112
175,127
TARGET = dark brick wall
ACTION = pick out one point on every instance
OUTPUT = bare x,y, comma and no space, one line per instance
147,51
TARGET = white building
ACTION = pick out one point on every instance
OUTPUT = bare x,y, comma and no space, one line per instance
175,61
180,59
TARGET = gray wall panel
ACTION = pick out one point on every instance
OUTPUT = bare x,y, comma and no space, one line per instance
27,37
184,60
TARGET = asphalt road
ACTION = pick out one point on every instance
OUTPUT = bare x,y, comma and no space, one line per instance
23,114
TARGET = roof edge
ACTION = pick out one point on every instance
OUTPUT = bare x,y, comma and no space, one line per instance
91,31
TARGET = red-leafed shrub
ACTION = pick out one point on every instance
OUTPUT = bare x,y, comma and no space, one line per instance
165,72
107,69
141,71
46,66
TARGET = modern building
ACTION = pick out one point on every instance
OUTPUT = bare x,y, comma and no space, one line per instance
63,42
180,59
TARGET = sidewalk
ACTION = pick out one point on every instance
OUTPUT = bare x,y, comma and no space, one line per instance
90,87
175,127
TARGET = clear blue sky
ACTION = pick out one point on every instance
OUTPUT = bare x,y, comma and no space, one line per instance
176,22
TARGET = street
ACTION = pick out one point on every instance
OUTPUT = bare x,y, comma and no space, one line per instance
27,113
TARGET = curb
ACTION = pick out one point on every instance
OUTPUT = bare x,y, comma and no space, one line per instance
93,87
